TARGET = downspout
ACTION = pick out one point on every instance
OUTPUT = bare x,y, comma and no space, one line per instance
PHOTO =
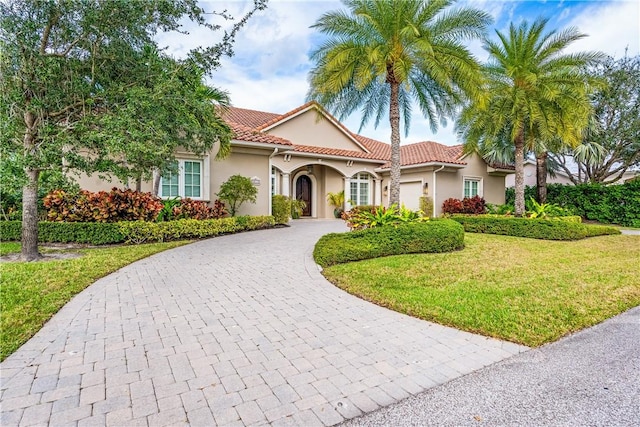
275,151
435,189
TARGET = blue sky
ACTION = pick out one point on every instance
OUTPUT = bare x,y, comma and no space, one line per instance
271,62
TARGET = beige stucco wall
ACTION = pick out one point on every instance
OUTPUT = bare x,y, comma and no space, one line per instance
309,128
451,184
530,177
95,183
246,162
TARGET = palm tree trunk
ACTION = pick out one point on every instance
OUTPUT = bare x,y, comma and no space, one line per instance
394,120
29,250
519,143
541,176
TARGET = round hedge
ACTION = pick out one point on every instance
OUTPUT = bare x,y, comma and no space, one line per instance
442,235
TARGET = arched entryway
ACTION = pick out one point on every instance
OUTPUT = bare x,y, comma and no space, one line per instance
303,192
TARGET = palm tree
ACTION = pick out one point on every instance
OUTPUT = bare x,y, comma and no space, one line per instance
534,93
380,56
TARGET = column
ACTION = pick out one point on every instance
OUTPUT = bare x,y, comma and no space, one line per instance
378,192
286,185
347,193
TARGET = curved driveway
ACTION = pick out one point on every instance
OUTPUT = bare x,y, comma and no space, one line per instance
236,330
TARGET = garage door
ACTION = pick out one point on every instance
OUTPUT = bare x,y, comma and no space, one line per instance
410,193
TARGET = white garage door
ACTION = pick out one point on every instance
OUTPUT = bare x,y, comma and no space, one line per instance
410,193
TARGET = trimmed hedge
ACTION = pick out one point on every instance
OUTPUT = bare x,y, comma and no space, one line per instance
442,235
532,228
94,233
136,232
611,204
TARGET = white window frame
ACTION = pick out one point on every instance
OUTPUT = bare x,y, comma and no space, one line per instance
204,194
477,179
275,178
359,179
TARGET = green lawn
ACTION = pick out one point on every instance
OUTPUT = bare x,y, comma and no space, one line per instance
522,290
30,293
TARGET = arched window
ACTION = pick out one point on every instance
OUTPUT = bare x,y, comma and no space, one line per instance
361,188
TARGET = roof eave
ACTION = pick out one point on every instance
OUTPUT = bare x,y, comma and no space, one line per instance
266,145
427,164
335,157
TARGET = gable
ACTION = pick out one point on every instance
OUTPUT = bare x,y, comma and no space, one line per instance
311,129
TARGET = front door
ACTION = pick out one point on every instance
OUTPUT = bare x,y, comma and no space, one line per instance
303,192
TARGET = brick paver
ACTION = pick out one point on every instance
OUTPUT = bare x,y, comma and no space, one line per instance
240,329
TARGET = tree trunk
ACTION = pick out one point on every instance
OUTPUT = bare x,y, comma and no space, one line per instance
519,143
156,182
541,176
138,184
394,120
29,251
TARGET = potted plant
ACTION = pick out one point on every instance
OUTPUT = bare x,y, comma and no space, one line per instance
297,207
337,201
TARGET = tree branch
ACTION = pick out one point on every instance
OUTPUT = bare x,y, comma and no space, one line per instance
47,32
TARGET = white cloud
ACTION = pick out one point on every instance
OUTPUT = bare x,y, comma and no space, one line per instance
611,26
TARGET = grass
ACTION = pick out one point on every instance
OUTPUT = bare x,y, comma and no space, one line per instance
527,291
33,292
9,247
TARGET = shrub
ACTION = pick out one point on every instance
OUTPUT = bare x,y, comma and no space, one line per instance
197,209
469,205
113,206
452,206
297,207
440,235
526,227
600,230
93,233
366,216
97,233
281,208
10,231
426,206
237,190
140,231
612,204
166,213
544,210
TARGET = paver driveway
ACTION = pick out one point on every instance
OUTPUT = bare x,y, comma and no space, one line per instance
239,329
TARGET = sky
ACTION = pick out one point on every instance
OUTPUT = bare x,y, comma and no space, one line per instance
271,63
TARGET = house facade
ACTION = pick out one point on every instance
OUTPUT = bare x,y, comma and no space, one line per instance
306,154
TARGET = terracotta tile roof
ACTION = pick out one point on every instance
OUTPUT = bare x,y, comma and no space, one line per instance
244,133
502,166
337,152
380,149
281,117
248,125
428,152
249,118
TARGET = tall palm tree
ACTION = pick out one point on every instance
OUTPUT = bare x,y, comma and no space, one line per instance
534,93
380,56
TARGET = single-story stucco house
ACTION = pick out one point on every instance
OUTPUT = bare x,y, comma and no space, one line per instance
307,153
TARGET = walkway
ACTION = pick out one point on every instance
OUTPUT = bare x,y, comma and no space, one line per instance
236,330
